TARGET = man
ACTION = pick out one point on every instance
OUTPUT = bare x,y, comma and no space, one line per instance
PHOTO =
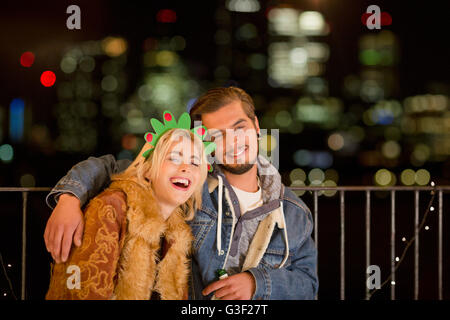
250,224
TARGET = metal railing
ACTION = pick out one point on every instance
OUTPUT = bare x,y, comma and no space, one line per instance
25,192
368,189
315,190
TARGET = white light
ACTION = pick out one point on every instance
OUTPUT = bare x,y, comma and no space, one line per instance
283,21
403,239
298,56
431,208
427,228
397,259
4,294
393,283
243,5
432,183
9,266
311,22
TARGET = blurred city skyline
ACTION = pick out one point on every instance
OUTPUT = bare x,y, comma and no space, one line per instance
363,106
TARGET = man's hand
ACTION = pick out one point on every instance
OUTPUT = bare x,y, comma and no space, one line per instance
65,223
240,286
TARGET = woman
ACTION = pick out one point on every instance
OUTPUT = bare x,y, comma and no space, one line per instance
136,240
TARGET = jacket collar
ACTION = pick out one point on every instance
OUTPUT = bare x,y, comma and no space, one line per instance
270,179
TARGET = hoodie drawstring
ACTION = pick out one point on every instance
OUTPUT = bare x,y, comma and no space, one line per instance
286,253
219,218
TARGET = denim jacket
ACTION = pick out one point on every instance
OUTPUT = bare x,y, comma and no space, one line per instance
283,257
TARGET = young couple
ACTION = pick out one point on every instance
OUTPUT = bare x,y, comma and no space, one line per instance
163,227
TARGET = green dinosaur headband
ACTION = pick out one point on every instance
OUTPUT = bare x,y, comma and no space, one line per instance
184,122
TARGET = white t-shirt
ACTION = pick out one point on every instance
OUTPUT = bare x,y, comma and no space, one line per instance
249,200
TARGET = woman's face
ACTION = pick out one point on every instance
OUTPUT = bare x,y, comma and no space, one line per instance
179,174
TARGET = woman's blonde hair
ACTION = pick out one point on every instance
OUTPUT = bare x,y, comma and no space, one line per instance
143,171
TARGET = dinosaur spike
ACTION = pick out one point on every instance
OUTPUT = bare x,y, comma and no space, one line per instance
209,147
146,153
148,137
157,126
169,120
200,131
184,121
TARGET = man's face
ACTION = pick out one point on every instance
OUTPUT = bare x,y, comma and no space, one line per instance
235,135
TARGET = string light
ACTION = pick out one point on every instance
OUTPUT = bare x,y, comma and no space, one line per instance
408,244
432,209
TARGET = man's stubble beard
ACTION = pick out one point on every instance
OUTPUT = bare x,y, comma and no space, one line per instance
239,169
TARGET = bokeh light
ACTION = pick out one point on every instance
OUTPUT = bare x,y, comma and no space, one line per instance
6,153
297,174
422,177
114,46
27,59
302,157
336,141
298,183
48,78
268,142
27,181
408,177
391,149
329,183
166,16
383,177
316,176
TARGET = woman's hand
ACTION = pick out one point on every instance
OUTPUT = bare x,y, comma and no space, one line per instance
65,223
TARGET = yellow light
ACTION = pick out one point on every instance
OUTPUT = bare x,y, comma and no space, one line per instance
297,174
166,58
383,177
421,152
113,46
422,177
331,174
329,183
298,183
283,118
336,141
27,180
268,143
316,176
391,149
408,177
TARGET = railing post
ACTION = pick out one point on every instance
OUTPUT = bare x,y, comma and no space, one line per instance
367,236
440,247
416,245
393,244
316,222
24,245
342,205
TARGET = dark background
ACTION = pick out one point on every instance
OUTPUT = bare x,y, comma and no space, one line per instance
420,68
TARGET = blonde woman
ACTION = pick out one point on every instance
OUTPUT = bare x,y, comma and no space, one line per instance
136,240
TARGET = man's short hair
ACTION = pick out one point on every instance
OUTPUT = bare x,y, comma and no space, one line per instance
216,98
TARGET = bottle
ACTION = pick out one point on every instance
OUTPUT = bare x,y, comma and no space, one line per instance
221,274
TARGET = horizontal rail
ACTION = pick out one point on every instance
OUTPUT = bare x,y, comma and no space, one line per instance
373,188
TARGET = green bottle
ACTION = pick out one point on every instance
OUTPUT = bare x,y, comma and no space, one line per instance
221,274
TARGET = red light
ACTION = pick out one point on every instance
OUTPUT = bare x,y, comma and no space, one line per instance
166,16
48,78
27,59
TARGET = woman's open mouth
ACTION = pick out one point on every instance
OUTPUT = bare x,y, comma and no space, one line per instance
180,183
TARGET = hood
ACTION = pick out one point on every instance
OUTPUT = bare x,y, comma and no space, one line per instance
272,193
